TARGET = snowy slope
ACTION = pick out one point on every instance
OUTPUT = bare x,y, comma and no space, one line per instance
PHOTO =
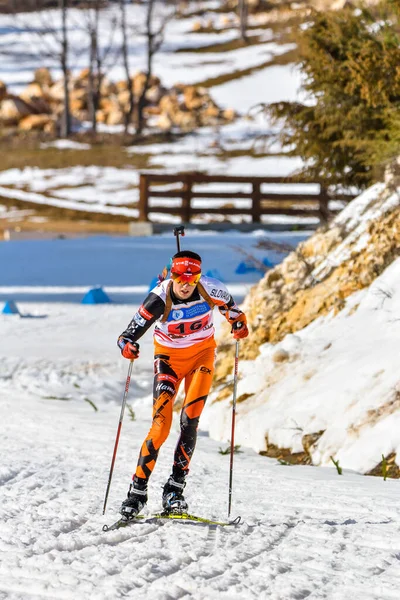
306,532
341,377
338,376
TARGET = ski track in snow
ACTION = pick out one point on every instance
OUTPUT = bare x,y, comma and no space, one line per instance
314,540
305,532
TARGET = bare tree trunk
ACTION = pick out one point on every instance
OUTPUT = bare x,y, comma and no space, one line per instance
92,103
66,116
243,13
150,53
125,57
97,56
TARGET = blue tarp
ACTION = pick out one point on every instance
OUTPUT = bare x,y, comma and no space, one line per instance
95,296
10,308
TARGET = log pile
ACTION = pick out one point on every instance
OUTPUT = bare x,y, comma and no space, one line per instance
41,104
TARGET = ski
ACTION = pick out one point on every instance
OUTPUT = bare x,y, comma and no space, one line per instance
189,517
174,516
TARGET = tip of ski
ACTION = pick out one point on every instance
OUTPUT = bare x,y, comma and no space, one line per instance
185,517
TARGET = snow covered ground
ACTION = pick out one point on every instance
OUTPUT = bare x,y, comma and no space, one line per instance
306,532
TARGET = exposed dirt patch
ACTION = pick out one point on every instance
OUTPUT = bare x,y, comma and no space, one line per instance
285,455
374,415
391,471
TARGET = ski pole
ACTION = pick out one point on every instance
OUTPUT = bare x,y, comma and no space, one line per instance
177,232
235,378
128,380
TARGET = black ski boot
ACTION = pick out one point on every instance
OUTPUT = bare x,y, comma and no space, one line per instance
136,499
172,499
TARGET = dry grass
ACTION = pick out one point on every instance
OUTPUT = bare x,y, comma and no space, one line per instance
25,150
392,469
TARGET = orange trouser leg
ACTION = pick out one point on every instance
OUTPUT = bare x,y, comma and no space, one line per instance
196,366
197,387
165,387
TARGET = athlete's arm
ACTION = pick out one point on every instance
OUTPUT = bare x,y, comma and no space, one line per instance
230,310
220,296
151,310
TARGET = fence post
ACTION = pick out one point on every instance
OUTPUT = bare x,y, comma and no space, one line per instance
143,198
186,198
323,205
256,202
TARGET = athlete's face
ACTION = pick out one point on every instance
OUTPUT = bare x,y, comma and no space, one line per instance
183,291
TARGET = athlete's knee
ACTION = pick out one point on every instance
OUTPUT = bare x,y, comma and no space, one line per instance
189,425
159,433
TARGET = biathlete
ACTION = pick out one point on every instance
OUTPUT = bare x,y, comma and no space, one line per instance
184,349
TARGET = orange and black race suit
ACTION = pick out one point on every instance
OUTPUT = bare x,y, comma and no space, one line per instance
184,349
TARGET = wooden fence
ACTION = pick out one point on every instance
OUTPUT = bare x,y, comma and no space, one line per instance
155,188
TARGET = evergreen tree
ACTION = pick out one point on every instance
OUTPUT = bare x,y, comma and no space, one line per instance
350,128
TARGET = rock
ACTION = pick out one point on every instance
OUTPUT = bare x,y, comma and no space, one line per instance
193,98
152,110
154,81
320,244
34,90
107,88
123,99
155,93
210,112
79,94
324,5
164,122
40,106
177,88
108,104
76,105
83,76
229,114
101,116
228,20
56,91
35,96
115,117
13,109
121,86
197,26
51,127
138,84
310,439
37,123
185,120
186,107
169,105
43,77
